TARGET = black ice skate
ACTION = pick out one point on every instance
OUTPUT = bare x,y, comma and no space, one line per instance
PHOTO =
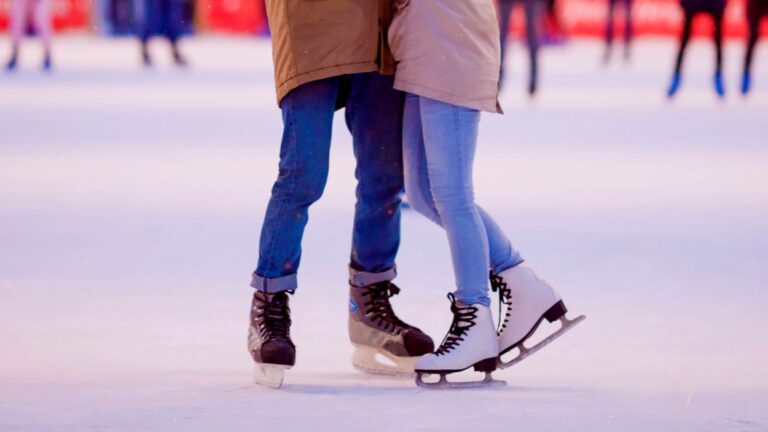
375,330
269,338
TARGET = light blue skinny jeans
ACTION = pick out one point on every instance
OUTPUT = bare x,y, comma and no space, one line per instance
439,142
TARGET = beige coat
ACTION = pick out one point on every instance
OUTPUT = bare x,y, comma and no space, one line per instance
317,39
448,50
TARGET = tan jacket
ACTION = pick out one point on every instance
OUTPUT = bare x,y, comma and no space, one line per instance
448,50
317,39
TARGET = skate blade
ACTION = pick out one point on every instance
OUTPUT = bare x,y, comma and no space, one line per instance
364,359
269,375
444,384
567,324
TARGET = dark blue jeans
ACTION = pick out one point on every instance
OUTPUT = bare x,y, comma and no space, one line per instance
374,112
532,12
163,18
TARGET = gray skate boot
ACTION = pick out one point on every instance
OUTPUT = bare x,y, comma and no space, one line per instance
375,330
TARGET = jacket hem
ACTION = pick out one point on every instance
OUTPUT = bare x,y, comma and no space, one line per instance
318,74
420,90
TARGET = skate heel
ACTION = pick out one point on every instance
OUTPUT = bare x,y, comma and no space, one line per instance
487,365
365,359
556,312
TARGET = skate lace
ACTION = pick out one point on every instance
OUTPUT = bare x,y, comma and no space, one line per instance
276,319
505,298
463,320
379,309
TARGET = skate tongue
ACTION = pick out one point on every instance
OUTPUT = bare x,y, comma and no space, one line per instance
274,298
384,289
452,299
456,304
279,298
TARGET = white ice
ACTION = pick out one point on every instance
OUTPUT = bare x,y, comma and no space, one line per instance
130,209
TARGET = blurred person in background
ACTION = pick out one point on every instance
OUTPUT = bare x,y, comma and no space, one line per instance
164,18
609,29
691,8
120,16
552,32
40,10
532,15
756,11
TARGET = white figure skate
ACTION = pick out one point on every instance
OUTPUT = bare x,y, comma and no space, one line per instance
470,342
529,301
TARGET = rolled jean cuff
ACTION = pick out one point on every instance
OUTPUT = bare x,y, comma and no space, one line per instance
507,266
361,278
274,285
481,299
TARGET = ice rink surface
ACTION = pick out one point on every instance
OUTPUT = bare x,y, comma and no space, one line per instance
131,202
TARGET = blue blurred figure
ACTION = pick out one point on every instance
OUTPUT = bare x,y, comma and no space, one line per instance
166,18
609,29
756,11
691,8
532,13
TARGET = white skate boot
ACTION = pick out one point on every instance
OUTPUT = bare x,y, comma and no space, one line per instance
471,341
529,301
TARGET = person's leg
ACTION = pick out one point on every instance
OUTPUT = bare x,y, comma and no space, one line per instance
19,9
417,185
374,115
502,254
532,8
147,28
754,33
628,28
717,35
308,118
505,11
43,28
16,30
173,26
111,16
553,27
450,139
684,38
609,24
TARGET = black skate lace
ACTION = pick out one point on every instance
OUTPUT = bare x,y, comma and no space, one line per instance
463,320
505,297
379,309
276,319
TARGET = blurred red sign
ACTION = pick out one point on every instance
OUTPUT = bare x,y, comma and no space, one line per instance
650,17
66,13
241,16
